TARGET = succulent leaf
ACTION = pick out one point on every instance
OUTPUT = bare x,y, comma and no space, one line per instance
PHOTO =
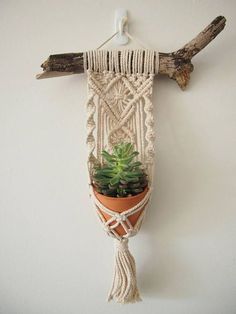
120,175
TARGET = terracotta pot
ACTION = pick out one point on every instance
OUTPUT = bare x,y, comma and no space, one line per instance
119,205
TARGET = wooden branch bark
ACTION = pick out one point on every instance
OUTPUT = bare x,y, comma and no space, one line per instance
177,65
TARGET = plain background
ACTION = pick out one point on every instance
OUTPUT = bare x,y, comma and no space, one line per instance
54,256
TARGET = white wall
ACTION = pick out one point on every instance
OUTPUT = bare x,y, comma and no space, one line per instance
54,257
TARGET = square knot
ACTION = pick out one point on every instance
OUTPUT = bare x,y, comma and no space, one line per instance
120,217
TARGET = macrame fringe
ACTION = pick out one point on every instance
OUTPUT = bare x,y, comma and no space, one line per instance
124,286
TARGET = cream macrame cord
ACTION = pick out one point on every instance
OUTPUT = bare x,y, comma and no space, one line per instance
120,109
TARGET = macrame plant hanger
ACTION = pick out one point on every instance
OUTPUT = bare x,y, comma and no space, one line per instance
120,109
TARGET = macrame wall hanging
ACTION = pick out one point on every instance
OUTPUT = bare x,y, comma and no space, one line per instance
120,110
120,123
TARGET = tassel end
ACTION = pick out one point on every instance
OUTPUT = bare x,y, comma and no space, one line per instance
124,287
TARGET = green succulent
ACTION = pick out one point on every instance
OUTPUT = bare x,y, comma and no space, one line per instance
120,175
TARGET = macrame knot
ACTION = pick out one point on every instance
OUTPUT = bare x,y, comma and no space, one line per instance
122,245
120,217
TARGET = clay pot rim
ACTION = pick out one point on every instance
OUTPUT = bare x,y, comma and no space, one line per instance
122,198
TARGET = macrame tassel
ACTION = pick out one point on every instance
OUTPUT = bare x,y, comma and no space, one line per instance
124,287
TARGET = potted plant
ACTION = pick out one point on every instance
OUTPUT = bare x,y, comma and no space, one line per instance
120,183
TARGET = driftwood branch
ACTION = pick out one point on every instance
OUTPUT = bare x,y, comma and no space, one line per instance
177,65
